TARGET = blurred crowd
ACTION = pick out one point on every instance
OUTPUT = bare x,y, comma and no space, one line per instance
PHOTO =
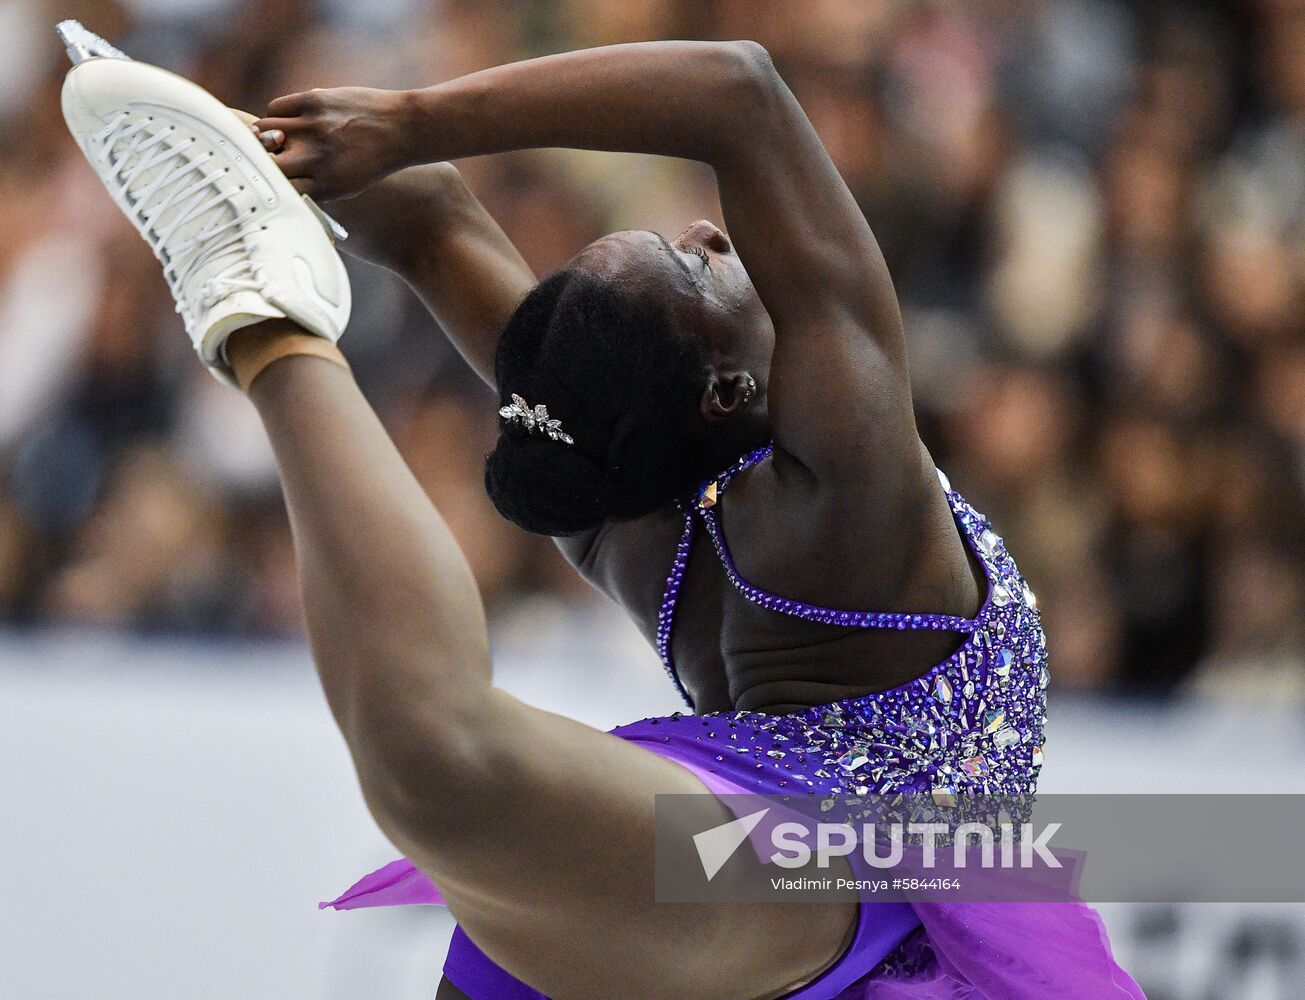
1094,212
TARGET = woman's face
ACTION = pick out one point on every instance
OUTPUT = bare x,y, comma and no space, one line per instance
700,279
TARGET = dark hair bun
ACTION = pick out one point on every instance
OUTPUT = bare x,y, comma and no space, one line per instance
547,487
625,385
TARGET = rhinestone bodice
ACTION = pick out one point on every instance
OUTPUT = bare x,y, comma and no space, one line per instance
974,722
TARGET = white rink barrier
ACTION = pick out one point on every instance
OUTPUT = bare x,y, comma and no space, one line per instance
173,811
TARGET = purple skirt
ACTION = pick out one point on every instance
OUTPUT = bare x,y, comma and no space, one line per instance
899,951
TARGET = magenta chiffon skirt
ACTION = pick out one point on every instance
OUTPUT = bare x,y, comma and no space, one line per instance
900,951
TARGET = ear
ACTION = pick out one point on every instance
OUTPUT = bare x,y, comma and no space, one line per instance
727,393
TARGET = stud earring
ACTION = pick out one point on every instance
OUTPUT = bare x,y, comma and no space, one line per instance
749,390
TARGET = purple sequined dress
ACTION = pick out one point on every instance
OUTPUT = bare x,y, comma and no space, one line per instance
973,723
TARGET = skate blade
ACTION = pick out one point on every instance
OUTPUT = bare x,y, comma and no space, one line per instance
83,44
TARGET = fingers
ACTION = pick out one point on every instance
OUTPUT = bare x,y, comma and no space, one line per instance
272,140
281,133
296,161
291,105
286,125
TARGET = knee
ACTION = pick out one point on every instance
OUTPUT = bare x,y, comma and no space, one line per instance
417,766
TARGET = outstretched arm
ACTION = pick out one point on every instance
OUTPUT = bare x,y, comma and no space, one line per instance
796,226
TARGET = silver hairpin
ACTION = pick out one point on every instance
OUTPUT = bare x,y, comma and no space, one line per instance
534,418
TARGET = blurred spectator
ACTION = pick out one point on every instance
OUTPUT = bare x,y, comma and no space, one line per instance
1094,212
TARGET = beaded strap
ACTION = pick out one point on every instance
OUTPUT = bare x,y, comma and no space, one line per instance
666,615
765,599
829,616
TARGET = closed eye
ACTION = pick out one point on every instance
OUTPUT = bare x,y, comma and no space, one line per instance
677,255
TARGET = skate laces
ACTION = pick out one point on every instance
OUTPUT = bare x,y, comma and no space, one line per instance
188,189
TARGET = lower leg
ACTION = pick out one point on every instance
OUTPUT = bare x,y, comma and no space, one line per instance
393,613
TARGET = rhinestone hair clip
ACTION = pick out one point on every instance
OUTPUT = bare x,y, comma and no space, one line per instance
534,418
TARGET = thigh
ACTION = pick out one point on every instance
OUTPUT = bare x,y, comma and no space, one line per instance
547,863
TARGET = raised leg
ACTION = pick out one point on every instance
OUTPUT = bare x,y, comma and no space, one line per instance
538,830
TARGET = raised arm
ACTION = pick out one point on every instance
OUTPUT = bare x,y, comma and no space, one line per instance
424,224
795,225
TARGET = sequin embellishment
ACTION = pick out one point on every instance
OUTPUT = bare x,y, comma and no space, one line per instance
972,724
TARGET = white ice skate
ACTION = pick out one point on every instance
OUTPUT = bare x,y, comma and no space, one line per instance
238,244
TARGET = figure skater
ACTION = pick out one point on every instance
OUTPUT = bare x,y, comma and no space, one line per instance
627,382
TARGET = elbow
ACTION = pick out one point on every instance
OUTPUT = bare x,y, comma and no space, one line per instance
754,60
755,78
752,98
